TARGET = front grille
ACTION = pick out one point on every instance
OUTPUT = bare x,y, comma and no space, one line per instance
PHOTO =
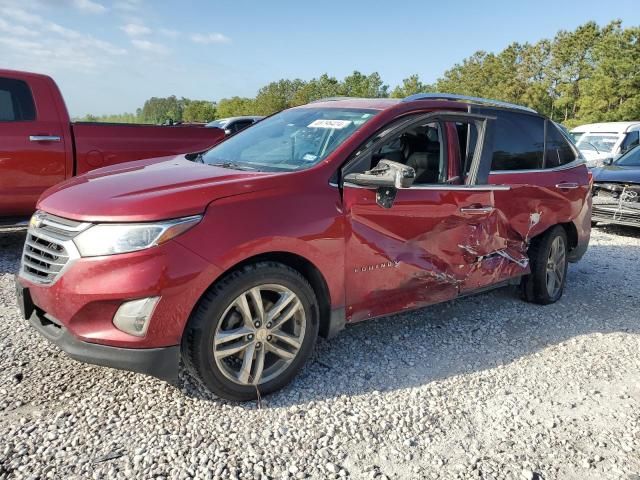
48,247
43,258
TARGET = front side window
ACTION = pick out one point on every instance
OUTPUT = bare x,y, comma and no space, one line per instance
518,142
598,142
632,140
558,151
291,140
630,159
419,147
16,101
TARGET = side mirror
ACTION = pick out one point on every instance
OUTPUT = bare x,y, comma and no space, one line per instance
608,161
385,174
227,131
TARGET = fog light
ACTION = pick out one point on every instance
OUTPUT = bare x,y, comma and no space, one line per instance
133,317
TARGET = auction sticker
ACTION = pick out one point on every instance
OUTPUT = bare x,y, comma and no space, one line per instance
336,124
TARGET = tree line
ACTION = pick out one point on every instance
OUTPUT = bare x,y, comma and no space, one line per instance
590,74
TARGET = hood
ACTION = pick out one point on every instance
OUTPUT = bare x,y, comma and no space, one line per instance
147,190
595,159
616,174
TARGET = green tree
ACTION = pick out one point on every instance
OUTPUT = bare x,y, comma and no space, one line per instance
367,86
317,88
161,110
410,86
199,111
235,106
277,96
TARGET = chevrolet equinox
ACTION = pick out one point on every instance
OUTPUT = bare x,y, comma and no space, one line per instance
334,212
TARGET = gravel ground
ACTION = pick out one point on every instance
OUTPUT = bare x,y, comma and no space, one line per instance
486,387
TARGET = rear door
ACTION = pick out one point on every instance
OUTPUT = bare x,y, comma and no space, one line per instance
33,156
440,238
549,182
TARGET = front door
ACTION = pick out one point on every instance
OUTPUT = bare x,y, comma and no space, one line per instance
441,237
33,156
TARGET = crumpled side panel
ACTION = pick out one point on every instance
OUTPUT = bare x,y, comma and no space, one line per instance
417,254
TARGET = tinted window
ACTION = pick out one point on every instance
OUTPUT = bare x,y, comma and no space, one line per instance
16,102
518,142
630,159
631,140
559,152
240,125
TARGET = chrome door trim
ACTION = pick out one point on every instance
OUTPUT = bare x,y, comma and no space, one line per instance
460,188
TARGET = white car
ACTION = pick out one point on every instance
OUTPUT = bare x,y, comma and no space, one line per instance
600,141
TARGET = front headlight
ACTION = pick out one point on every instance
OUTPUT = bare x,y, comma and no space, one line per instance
112,238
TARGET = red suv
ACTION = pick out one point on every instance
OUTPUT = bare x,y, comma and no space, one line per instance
322,215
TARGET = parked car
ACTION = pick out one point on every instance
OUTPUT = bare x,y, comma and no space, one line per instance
40,147
234,124
616,190
319,216
600,141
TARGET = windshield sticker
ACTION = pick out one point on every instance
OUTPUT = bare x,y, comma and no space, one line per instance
336,124
309,157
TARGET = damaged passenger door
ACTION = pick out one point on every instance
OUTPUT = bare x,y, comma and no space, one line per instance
440,237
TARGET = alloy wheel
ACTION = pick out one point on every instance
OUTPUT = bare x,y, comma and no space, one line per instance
556,266
259,335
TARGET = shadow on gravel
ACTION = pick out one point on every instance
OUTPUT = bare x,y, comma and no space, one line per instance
469,335
10,249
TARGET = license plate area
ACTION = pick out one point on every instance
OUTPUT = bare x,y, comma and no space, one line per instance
25,303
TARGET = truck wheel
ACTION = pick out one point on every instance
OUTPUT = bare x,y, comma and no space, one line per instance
252,331
549,261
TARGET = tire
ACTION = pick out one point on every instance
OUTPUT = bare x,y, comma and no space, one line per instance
535,286
222,315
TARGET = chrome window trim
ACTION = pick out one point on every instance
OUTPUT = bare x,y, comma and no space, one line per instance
567,166
473,188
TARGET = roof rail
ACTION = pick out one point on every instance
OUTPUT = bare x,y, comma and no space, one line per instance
334,99
464,98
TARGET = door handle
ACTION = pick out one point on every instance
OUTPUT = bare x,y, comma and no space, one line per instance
44,138
567,185
476,210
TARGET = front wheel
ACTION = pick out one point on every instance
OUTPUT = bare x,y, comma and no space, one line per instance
549,262
252,331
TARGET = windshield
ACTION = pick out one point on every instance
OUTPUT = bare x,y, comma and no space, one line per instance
602,143
575,135
630,159
291,140
218,123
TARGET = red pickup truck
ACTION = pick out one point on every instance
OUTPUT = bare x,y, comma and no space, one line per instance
40,147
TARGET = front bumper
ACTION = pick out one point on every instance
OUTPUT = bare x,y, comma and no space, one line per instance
76,311
161,363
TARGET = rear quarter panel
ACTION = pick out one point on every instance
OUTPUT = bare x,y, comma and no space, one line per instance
99,145
535,203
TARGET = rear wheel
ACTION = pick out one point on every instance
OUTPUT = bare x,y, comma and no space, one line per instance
549,261
252,332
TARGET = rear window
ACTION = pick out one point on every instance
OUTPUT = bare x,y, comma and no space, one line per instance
16,102
518,142
558,151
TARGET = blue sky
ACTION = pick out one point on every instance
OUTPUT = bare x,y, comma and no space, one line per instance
109,56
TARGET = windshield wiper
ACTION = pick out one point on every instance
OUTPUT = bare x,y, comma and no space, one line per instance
233,165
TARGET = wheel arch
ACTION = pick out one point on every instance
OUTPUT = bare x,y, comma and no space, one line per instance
331,321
